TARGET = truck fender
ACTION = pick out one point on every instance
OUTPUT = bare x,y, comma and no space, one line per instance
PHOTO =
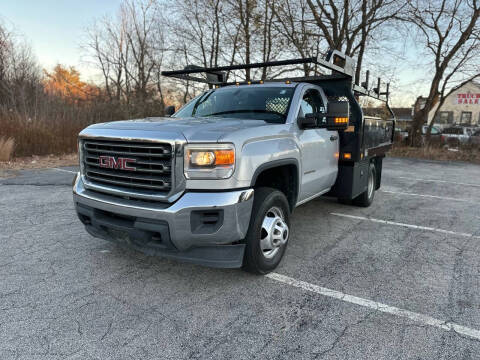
264,151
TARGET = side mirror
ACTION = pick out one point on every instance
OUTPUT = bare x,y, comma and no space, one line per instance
337,115
309,121
170,110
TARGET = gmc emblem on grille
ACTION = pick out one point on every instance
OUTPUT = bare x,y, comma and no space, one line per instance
119,163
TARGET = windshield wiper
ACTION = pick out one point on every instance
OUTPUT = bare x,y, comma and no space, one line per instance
247,111
202,99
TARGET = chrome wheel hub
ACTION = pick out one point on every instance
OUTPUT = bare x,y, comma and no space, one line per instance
274,232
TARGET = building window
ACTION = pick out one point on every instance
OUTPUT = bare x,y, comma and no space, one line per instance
466,117
444,117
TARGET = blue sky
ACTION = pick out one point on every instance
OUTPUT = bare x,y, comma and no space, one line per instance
54,29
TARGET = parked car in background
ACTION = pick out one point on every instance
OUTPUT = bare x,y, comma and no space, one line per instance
436,131
475,138
435,135
401,135
456,135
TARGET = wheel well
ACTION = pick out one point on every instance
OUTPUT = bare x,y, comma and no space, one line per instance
283,178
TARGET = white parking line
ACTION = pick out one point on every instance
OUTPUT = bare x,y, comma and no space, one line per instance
418,227
434,180
420,318
427,196
68,171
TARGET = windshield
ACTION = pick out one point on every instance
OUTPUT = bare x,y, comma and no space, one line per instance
249,103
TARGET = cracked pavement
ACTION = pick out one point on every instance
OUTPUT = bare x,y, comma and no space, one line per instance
67,295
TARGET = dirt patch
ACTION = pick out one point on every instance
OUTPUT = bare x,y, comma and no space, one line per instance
467,154
37,162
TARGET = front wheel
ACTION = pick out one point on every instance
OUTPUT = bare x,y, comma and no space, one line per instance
365,199
268,232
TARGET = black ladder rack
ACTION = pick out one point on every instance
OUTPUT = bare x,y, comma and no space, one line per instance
342,67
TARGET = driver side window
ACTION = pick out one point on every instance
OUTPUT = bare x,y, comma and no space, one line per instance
311,103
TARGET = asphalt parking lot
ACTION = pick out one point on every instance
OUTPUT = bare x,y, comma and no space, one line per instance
398,280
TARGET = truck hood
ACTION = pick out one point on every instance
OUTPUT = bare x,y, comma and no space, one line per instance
193,129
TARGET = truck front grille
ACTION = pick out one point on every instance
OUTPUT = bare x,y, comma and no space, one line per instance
132,165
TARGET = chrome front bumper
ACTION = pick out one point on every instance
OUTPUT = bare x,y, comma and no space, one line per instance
185,230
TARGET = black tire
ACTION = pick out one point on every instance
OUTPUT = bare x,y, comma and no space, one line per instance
265,199
365,199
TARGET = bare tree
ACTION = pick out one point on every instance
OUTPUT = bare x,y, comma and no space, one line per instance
450,31
199,34
139,34
349,25
198,27
108,49
246,10
268,36
20,75
129,51
294,22
215,32
257,38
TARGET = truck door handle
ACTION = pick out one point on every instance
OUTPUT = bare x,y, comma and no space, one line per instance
333,138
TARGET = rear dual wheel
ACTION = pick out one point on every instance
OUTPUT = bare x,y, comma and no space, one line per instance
365,199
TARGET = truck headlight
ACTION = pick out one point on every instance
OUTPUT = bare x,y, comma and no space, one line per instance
209,161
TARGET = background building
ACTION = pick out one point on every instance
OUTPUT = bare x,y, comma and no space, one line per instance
462,107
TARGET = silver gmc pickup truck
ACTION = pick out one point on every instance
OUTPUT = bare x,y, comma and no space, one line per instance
215,183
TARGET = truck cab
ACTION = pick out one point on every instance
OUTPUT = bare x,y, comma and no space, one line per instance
215,182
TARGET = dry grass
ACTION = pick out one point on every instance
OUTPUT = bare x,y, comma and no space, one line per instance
54,128
465,153
55,134
6,148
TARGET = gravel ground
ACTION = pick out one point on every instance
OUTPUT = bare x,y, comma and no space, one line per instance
67,295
